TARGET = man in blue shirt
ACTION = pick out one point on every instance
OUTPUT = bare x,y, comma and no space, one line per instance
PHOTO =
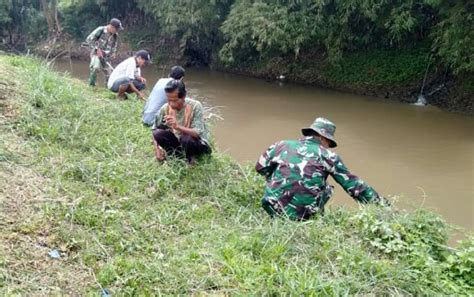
158,96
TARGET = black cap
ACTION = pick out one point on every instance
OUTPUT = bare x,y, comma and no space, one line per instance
144,55
177,72
116,23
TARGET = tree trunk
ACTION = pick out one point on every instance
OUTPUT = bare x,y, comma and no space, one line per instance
50,11
56,18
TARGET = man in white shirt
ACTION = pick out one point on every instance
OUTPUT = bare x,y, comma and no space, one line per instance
158,97
127,78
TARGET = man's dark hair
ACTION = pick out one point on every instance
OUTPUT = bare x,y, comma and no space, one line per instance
174,85
177,72
144,55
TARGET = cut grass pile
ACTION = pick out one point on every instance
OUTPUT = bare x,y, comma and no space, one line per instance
78,175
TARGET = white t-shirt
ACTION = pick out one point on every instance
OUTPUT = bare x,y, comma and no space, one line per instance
127,69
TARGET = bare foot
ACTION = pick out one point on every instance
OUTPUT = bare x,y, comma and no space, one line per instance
160,154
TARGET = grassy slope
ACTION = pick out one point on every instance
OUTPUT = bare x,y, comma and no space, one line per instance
77,174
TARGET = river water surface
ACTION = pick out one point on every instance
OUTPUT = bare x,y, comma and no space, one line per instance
422,155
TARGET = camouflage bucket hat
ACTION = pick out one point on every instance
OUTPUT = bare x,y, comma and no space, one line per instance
323,127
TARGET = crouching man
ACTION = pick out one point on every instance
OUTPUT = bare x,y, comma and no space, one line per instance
179,129
127,77
297,170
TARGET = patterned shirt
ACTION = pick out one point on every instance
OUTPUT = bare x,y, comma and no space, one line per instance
297,172
197,120
100,38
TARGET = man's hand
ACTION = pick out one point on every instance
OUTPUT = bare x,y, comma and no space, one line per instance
384,201
142,79
171,122
141,96
100,53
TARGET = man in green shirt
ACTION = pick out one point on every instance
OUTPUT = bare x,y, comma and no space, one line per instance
103,44
297,170
180,129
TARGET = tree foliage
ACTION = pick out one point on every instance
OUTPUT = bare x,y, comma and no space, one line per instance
21,21
337,26
454,35
245,31
267,29
194,23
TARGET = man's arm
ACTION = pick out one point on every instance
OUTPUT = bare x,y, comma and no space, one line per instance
353,185
158,119
265,164
188,131
159,155
113,49
136,91
130,72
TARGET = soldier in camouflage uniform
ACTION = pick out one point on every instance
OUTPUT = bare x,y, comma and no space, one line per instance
103,44
297,170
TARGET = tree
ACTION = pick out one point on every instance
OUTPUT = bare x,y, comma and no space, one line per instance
50,12
454,36
20,20
275,27
194,23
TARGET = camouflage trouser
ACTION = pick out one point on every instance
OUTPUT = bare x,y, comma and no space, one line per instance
96,65
274,208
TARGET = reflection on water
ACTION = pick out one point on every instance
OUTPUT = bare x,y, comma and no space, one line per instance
422,154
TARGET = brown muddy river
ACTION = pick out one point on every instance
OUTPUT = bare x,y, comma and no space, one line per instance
421,155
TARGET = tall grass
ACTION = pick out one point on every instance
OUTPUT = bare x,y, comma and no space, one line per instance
142,228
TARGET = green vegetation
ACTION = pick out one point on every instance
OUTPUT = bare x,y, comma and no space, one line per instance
263,29
20,22
384,69
77,173
241,31
380,67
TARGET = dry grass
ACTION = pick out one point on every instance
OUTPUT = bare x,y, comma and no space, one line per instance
26,236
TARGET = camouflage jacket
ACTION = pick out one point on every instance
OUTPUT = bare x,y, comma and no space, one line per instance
100,38
297,172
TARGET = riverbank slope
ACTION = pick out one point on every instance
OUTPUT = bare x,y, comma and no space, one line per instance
78,176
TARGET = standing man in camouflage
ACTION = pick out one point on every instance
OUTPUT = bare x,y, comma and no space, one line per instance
297,172
103,44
